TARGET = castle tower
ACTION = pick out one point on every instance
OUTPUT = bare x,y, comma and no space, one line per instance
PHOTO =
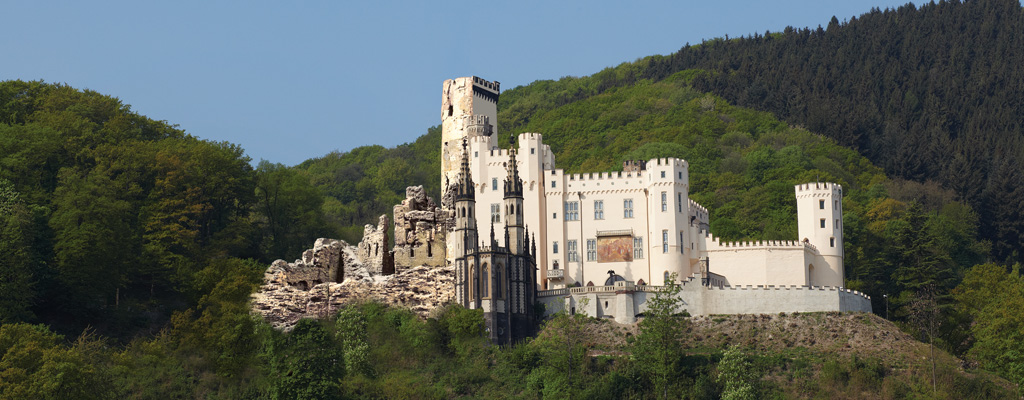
463,238
820,222
469,108
514,230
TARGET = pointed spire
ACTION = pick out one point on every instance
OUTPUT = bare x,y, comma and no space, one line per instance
493,243
533,248
513,185
465,184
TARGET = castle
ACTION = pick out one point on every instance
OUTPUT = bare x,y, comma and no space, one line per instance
612,237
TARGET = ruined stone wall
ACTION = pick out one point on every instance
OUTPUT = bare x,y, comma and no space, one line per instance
373,251
420,229
325,262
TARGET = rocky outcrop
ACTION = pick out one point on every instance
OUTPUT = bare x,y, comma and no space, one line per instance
420,230
330,276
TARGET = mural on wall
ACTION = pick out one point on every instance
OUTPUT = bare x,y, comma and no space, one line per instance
615,248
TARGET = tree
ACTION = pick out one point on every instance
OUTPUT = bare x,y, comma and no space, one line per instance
927,318
564,348
658,348
994,298
737,375
17,290
307,363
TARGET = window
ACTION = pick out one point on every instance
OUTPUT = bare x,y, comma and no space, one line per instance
591,249
496,213
832,242
533,150
836,206
821,204
680,175
638,248
554,215
836,225
485,283
572,211
681,241
598,209
554,247
664,201
570,246
662,174
494,183
664,241
627,208
476,154
822,222
552,184
679,200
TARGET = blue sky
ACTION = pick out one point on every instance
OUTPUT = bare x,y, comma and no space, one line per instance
290,81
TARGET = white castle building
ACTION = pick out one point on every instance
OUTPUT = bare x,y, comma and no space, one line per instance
613,235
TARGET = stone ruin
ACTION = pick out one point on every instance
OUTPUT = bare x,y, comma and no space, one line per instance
334,273
420,230
373,249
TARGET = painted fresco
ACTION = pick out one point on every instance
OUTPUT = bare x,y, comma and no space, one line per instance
614,248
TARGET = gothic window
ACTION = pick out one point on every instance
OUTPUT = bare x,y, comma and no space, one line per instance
496,213
498,275
572,211
664,241
554,247
572,254
591,249
638,248
484,282
598,209
664,201
666,277
494,183
555,266
627,208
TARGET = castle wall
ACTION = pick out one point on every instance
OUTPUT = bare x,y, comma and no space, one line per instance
766,262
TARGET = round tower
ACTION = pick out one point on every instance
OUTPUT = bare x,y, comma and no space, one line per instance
469,108
667,213
820,223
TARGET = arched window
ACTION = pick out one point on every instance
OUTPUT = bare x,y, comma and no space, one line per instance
513,211
666,277
556,265
463,212
498,275
485,283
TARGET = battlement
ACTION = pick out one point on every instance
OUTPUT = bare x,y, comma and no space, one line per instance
634,165
486,89
670,161
819,188
791,287
697,210
758,244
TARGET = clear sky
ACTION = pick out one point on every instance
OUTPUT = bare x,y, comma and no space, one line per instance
290,81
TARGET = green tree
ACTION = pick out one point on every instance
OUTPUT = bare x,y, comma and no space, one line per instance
658,348
17,290
994,297
290,210
737,375
307,363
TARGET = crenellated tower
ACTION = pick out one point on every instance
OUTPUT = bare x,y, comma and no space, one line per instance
469,108
820,223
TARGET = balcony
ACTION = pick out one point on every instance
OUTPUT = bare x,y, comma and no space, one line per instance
555,274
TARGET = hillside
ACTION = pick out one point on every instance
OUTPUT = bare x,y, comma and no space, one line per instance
928,93
815,355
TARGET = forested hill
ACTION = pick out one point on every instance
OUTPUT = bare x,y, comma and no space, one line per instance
929,93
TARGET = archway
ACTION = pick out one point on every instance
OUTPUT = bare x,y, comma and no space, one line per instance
811,275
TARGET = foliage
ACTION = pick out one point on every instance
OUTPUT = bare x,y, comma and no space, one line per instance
737,375
658,348
994,297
